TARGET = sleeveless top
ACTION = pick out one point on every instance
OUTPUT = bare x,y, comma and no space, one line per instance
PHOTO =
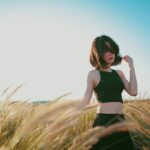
110,87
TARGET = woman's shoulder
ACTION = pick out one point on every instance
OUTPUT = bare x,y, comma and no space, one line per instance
120,72
93,72
95,76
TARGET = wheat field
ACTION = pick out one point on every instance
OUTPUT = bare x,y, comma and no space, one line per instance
56,125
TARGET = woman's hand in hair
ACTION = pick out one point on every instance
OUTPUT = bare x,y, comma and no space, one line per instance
129,60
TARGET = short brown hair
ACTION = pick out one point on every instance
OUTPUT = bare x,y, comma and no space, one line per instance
100,45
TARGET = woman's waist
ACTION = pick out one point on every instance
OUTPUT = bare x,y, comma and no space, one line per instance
110,107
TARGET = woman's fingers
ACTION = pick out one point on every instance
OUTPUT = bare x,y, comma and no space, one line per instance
126,57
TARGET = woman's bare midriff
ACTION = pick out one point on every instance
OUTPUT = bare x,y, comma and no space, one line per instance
110,108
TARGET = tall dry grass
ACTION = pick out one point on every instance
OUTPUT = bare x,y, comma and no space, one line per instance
56,125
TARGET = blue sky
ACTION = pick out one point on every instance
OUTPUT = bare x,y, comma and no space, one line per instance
45,44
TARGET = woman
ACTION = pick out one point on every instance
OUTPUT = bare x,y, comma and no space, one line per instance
108,85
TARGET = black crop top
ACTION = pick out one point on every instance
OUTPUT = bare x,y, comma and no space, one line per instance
110,87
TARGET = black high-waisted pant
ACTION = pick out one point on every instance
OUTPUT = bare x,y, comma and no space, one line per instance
116,140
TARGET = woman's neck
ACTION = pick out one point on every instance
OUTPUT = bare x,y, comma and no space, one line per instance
106,69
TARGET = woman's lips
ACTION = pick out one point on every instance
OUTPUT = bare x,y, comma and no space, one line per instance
110,58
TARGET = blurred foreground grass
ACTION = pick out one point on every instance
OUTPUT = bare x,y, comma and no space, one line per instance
56,126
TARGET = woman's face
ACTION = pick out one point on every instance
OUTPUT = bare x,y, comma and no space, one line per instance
109,57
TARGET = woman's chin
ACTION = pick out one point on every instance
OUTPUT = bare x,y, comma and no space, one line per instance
110,62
